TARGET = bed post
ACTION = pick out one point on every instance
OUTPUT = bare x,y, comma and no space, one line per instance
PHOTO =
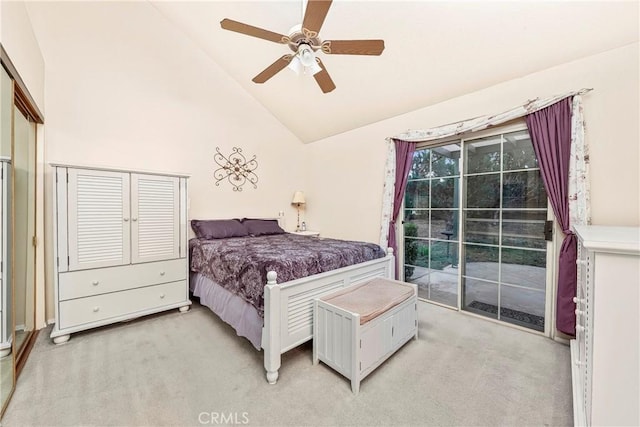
271,336
392,264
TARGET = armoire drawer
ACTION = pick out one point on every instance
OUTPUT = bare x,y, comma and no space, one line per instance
101,307
79,284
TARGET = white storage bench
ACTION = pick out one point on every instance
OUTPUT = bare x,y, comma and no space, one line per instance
358,328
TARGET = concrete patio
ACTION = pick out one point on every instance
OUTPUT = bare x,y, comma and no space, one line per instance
528,297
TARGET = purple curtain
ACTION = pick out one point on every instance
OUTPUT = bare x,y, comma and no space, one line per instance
550,130
404,159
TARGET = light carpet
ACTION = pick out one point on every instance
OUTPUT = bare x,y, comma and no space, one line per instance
191,369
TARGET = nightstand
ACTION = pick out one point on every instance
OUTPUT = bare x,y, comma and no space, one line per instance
307,233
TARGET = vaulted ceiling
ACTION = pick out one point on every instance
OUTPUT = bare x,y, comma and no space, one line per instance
434,51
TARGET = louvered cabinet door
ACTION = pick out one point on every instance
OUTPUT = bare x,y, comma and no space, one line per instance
155,218
99,219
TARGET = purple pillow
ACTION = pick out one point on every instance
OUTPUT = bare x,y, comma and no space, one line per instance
218,228
261,227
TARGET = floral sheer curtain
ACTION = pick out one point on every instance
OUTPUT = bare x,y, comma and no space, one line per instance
578,185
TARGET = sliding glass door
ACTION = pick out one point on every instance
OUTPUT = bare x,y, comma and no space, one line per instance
488,191
431,224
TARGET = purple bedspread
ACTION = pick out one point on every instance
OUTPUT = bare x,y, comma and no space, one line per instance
240,264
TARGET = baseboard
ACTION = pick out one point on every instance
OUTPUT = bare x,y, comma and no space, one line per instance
562,340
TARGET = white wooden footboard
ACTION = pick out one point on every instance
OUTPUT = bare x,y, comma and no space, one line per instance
288,307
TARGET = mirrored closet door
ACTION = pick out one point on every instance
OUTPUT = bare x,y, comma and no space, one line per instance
18,160
24,209
6,319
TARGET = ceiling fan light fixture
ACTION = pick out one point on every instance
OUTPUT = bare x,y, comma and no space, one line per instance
315,68
305,53
295,65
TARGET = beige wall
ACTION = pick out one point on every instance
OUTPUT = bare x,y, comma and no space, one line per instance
123,99
19,41
345,176
126,99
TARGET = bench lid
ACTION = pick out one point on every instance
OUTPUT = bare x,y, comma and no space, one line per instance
370,299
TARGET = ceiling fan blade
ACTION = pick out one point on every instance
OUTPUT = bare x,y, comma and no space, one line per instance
272,69
353,47
239,27
323,79
314,15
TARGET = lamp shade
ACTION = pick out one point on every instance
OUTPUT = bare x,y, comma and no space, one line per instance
298,198
315,68
305,53
295,65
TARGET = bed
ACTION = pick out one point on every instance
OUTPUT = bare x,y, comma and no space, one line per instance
262,281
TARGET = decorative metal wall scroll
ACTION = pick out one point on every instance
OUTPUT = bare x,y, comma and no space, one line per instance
235,169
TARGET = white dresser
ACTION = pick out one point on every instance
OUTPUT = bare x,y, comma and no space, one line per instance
605,354
121,246
5,263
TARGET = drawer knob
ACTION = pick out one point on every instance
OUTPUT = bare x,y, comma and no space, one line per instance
578,300
96,309
126,219
162,273
134,219
95,283
579,312
161,296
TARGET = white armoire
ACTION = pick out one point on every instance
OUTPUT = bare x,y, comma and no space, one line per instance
605,353
6,325
120,246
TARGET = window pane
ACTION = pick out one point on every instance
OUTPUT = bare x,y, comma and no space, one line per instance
482,226
481,262
420,165
444,193
444,256
522,272
480,297
483,155
527,257
444,161
483,191
419,217
522,307
523,190
416,252
417,194
518,151
443,288
444,224
524,228
417,275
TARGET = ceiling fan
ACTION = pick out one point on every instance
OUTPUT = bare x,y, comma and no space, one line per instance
304,41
